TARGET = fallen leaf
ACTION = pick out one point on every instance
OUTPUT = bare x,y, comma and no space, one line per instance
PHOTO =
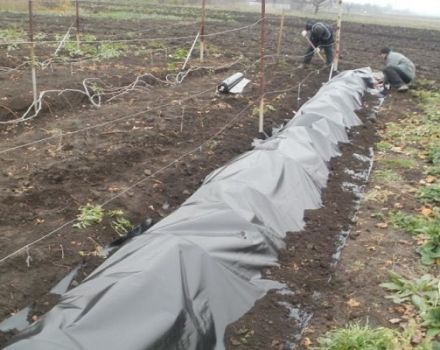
353,303
395,320
382,225
425,211
430,179
398,206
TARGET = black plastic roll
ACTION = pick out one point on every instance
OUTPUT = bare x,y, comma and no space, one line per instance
226,85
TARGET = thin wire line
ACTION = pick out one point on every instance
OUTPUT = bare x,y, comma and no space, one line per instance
132,186
134,115
144,179
134,40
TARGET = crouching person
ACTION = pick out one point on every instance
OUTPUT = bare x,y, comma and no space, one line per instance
399,71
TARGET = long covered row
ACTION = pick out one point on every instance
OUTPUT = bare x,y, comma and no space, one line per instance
178,285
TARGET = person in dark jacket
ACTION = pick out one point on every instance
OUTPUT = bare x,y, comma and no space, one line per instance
321,36
399,70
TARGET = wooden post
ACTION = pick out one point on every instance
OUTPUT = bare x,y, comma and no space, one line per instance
202,31
338,37
262,52
190,51
280,36
33,62
77,23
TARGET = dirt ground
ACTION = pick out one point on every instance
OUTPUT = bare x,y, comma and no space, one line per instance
147,151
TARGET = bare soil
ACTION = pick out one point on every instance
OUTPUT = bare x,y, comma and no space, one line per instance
166,140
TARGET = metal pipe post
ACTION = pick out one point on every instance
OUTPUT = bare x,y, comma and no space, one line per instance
202,31
77,24
262,52
32,51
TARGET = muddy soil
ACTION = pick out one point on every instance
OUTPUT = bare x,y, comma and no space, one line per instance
148,150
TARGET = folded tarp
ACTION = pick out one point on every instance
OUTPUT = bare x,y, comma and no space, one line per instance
178,285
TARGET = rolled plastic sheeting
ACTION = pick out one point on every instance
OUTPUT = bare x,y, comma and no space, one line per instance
236,82
185,279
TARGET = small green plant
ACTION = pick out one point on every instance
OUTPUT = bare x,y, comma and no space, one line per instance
11,36
428,227
429,194
89,215
403,290
179,55
409,223
423,293
120,224
357,337
87,46
115,213
430,251
433,155
111,50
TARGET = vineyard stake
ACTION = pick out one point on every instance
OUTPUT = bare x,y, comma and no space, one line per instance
190,51
33,62
280,36
338,37
77,23
262,81
202,31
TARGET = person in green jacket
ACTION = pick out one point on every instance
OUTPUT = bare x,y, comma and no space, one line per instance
399,71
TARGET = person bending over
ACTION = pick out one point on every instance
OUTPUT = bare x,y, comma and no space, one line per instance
321,36
399,71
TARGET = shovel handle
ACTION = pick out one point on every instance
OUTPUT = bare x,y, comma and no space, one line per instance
314,48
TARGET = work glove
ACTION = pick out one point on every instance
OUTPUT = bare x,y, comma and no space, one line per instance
317,50
304,33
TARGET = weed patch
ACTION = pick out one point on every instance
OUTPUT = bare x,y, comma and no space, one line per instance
423,293
401,163
387,176
428,230
429,194
357,337
89,215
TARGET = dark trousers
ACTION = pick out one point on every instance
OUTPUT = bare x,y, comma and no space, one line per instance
395,77
328,49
